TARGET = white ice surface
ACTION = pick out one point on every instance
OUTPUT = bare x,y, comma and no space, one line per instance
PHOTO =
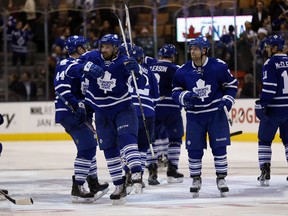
42,171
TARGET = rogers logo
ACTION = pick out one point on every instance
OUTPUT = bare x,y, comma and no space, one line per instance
248,116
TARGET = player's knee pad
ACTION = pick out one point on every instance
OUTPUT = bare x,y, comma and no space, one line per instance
125,139
219,151
88,154
195,154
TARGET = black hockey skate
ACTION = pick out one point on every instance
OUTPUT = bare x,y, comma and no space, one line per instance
96,188
128,182
221,185
80,194
152,179
173,175
196,186
2,197
265,175
118,197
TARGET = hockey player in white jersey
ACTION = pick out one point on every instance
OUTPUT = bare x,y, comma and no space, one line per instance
67,81
115,114
272,106
204,86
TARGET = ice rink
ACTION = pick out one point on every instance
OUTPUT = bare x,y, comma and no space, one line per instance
42,171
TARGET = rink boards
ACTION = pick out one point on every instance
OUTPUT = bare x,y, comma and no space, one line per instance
35,121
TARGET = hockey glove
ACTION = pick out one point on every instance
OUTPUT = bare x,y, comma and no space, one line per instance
132,65
92,70
227,101
1,119
260,111
188,99
80,114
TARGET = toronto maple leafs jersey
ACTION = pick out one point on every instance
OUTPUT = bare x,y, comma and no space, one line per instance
165,71
109,92
148,91
274,93
210,82
67,82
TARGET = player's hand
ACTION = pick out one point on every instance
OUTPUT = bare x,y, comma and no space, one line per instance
227,101
188,99
132,65
93,70
1,119
260,111
80,114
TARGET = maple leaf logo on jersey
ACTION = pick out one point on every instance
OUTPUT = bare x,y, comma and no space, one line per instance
106,83
202,90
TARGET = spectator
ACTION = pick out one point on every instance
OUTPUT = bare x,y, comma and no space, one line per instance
60,41
146,42
30,93
248,88
260,16
16,88
20,36
106,28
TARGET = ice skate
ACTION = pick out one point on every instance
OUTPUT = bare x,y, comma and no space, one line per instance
118,197
96,188
221,185
136,179
2,197
128,182
173,175
152,179
265,175
196,186
80,194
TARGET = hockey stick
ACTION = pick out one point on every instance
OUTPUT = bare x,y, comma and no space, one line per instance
227,115
236,133
73,111
24,201
134,81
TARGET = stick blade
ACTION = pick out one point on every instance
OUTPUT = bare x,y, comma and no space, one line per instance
26,201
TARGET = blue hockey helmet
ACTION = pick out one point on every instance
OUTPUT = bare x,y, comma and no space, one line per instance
137,52
168,50
201,42
122,48
75,41
111,39
275,40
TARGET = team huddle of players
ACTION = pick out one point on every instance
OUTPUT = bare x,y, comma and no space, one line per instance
134,102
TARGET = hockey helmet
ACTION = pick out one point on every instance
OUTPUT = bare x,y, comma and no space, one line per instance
111,39
168,50
75,41
137,52
201,42
275,40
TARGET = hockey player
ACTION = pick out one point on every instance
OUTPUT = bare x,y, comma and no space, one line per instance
148,93
68,76
168,120
272,107
115,114
204,86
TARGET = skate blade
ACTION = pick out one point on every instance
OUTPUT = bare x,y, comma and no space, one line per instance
120,201
174,180
138,188
129,189
76,199
2,198
223,194
99,194
195,194
264,183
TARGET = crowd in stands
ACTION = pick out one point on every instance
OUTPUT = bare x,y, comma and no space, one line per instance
25,24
